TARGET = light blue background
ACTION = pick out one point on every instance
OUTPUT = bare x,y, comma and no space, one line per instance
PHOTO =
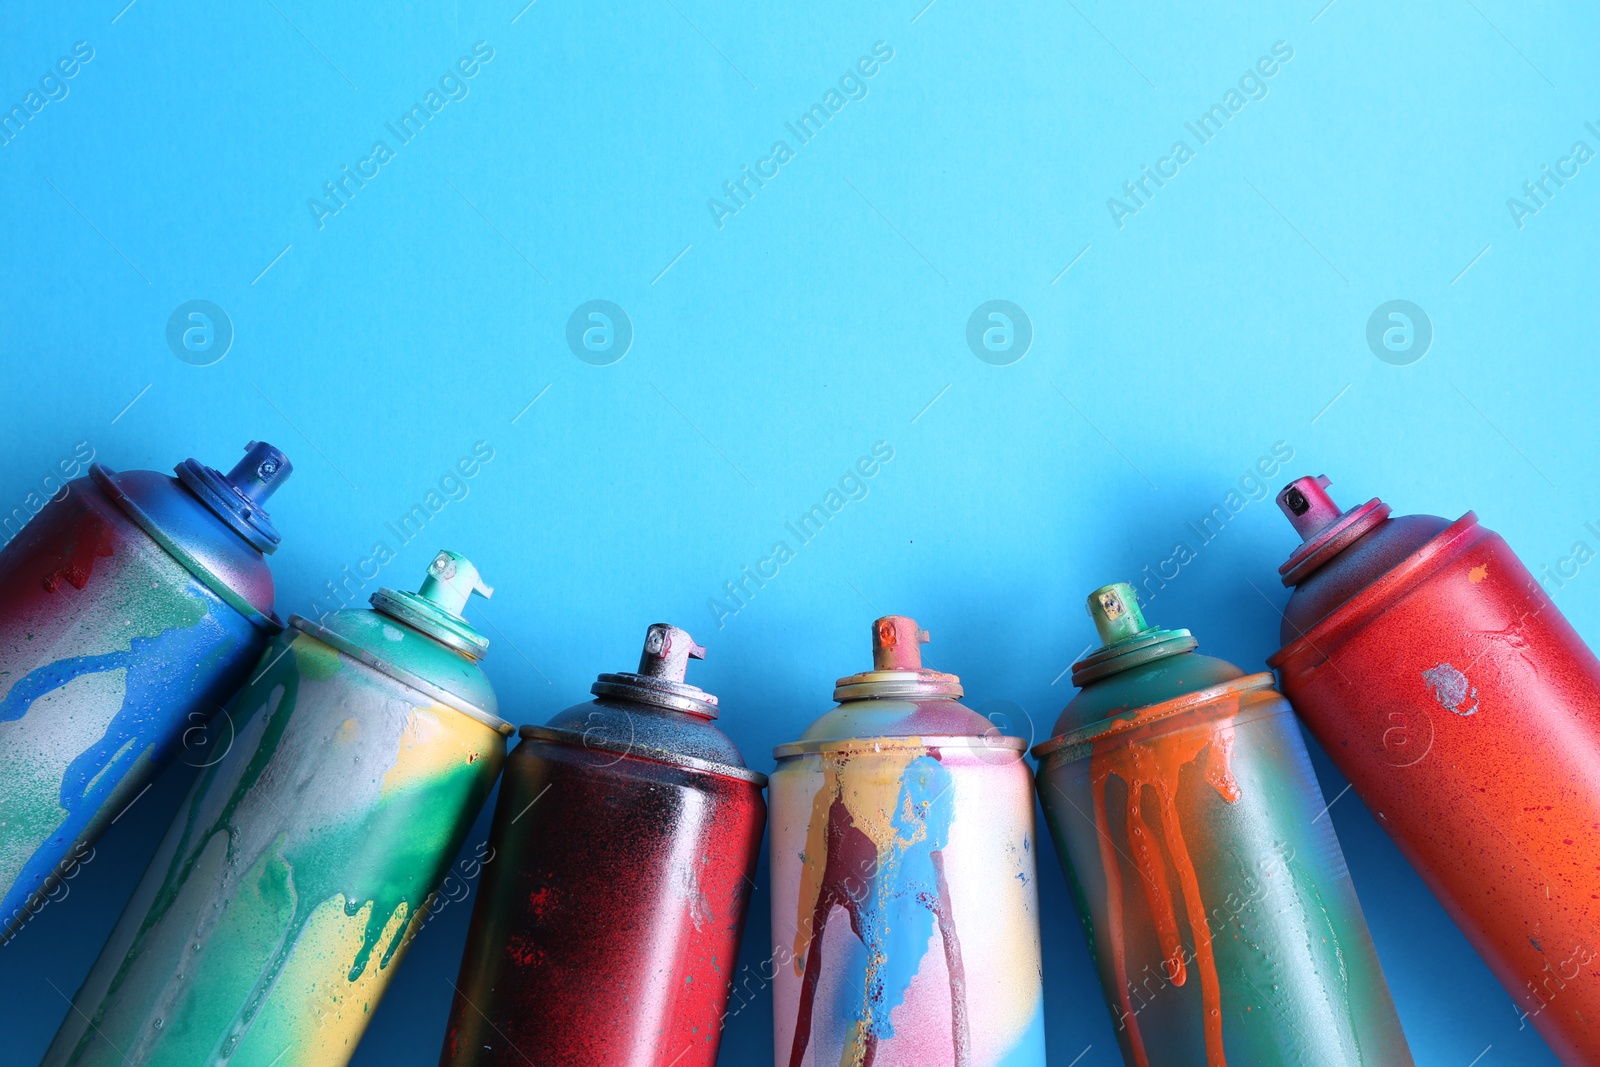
1227,315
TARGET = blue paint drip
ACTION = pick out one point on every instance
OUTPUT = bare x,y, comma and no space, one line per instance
896,918
170,678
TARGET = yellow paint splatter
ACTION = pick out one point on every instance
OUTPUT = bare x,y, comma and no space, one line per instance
436,740
317,1014
1478,573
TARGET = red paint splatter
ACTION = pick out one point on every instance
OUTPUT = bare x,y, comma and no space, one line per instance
539,901
524,952
92,538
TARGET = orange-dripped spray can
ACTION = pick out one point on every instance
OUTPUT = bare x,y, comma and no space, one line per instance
1215,898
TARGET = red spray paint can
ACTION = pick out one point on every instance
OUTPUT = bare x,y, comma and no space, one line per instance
625,843
1465,710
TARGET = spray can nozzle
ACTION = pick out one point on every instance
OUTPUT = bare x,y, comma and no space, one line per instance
1115,611
451,581
667,651
257,476
237,498
897,643
1126,640
435,608
659,682
897,670
1324,529
1306,503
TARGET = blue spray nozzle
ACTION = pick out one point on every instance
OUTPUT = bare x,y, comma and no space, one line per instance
258,475
237,497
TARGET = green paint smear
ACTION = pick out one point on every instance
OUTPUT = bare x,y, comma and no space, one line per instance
391,854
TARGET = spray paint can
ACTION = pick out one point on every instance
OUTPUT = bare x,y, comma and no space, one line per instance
625,842
1465,711
904,910
1213,893
131,608
275,912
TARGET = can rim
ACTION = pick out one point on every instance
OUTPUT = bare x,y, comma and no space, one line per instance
399,674
651,753
986,742
1353,613
1345,531
1136,717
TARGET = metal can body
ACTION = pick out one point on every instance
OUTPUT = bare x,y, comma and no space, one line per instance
904,909
110,648
277,909
606,929
1224,925
1465,711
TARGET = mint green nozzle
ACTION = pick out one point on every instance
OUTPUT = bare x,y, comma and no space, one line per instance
435,609
1115,611
451,581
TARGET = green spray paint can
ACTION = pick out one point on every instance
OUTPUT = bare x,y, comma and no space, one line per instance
1215,898
276,911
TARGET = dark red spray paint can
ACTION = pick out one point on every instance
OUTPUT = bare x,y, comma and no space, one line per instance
1465,710
625,843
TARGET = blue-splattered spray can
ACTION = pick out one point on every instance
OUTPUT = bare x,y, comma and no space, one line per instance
131,608
905,919
276,911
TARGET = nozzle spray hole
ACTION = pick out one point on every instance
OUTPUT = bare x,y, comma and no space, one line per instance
1297,501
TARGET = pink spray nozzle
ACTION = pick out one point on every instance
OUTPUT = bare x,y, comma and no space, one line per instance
1306,503
1324,530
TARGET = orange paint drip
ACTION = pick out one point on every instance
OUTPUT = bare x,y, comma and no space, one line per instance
1157,893
1119,950
1155,761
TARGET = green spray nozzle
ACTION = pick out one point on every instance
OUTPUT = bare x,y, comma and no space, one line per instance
435,609
1115,611
1126,640
451,581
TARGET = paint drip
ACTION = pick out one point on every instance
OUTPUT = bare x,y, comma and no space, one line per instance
1151,766
1240,888
883,865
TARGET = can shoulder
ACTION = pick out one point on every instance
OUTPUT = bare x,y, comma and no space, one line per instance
890,717
190,532
1357,567
409,656
611,722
